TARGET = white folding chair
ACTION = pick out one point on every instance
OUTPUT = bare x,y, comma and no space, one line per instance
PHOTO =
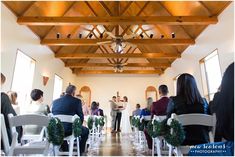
33,147
7,148
193,119
71,138
157,141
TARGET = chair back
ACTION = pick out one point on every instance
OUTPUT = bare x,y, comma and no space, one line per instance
4,135
198,119
159,118
66,118
27,119
147,118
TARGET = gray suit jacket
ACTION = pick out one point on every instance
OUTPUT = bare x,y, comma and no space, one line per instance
113,106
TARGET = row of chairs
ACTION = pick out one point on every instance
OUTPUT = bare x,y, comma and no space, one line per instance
160,146
36,144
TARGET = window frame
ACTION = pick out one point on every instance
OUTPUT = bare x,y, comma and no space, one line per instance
55,74
202,65
15,64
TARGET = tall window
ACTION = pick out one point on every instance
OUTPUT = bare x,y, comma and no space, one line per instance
211,74
23,78
58,84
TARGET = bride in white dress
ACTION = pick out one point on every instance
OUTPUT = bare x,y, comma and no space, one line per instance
125,122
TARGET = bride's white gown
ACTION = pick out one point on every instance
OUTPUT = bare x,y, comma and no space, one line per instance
125,121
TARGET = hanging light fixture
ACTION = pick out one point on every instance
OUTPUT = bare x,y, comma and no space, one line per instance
162,36
57,35
141,35
90,36
69,36
173,35
80,35
151,36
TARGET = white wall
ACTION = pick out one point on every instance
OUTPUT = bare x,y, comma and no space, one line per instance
15,37
218,36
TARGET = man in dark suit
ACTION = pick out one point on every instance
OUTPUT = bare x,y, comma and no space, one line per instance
69,105
158,108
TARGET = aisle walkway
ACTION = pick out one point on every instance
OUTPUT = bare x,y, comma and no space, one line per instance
117,145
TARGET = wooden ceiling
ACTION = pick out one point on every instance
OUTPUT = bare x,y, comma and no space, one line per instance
81,23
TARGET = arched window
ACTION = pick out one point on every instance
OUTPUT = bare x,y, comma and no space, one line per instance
85,91
151,92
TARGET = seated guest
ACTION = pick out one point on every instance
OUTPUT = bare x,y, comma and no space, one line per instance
85,108
36,107
101,112
158,108
137,111
224,120
147,111
6,108
69,105
188,100
13,97
94,108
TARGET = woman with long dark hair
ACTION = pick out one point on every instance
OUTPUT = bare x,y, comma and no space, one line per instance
189,100
224,109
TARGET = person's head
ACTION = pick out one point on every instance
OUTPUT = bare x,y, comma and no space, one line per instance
94,106
70,90
163,90
118,98
187,88
125,99
137,106
3,79
62,94
149,102
13,97
114,98
225,102
37,95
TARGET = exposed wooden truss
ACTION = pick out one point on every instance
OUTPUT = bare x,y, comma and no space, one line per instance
114,55
119,20
187,19
71,42
124,72
79,65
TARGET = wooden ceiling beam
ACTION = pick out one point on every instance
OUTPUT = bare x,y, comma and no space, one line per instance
118,20
79,65
73,42
124,72
114,55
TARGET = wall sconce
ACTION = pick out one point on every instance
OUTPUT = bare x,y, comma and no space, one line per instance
45,80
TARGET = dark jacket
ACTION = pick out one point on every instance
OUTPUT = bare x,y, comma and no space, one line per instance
159,107
68,105
194,134
6,109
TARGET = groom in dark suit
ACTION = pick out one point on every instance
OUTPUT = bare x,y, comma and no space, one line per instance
69,105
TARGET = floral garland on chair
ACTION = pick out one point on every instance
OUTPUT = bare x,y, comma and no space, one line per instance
77,127
175,134
101,121
55,131
90,122
141,123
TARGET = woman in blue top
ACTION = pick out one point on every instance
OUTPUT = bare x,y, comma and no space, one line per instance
147,111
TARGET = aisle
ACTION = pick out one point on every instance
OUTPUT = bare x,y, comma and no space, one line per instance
117,145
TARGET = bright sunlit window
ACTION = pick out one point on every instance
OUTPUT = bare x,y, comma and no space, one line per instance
211,74
58,84
23,78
